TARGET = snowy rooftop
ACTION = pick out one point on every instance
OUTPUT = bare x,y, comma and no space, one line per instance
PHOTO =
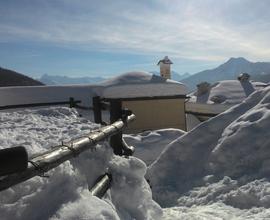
44,94
227,92
128,85
140,84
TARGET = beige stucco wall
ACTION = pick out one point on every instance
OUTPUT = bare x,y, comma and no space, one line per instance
156,114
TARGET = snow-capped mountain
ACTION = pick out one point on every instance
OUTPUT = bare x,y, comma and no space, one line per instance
63,80
259,71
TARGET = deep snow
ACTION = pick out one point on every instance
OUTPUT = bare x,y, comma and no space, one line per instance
65,195
220,169
149,144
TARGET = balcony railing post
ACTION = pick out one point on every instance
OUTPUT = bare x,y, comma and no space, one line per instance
97,110
116,114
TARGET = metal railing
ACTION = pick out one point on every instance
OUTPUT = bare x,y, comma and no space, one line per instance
40,164
71,102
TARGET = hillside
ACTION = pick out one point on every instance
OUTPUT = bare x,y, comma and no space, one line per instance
64,80
259,71
12,78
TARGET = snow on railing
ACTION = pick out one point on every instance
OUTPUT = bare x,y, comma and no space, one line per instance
13,172
72,103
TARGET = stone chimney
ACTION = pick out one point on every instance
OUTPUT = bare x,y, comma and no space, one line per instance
165,67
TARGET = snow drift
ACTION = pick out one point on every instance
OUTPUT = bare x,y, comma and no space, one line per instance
149,144
223,164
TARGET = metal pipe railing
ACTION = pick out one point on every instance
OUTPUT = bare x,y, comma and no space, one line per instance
50,159
101,185
72,103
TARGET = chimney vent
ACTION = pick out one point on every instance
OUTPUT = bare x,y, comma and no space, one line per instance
243,77
203,88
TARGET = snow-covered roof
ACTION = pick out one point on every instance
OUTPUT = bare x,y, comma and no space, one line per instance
132,84
228,92
43,94
140,84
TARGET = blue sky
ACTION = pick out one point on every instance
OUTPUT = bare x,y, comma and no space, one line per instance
106,37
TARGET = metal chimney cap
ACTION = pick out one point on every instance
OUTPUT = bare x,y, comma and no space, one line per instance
243,77
165,60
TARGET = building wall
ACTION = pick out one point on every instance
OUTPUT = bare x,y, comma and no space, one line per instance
156,114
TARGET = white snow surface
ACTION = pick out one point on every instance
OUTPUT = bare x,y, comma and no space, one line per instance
65,195
220,169
44,94
149,144
228,92
140,84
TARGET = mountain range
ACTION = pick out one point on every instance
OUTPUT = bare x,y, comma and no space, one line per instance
12,78
64,80
259,71
56,79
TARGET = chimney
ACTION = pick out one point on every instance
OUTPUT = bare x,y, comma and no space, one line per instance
243,77
165,67
203,88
